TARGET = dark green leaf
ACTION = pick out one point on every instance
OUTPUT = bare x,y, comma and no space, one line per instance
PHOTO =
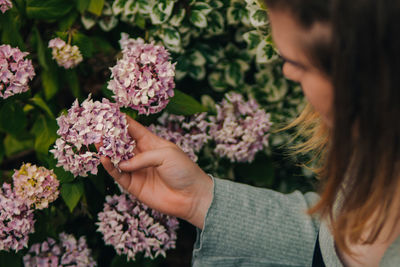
49,9
62,175
39,102
10,33
73,82
96,7
82,5
12,118
12,145
41,49
183,104
72,193
44,130
84,43
50,82
67,21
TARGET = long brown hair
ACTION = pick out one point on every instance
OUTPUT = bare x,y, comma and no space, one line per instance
361,154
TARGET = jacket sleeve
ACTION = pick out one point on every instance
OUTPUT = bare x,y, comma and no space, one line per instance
249,226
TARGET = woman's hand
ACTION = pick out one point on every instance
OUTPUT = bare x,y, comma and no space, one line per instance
163,177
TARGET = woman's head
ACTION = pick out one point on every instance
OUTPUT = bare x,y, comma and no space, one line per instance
354,46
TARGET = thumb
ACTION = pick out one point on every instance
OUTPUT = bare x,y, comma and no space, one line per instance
152,158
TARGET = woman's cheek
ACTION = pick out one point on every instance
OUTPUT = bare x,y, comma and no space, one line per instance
291,72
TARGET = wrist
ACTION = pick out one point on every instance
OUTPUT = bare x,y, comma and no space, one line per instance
201,202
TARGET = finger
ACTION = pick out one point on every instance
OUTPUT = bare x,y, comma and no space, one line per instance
152,158
137,130
109,167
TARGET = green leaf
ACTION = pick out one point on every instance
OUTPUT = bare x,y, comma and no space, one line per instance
39,102
12,145
41,49
100,44
73,82
197,72
216,82
140,21
12,118
82,5
216,23
171,37
96,7
45,131
72,193
183,104
49,9
204,8
63,176
67,21
258,18
198,19
233,74
50,82
2,152
11,33
84,43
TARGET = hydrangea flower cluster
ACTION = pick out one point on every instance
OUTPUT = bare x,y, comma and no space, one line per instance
189,133
5,5
68,252
131,227
240,128
144,78
15,71
16,220
91,123
67,56
36,186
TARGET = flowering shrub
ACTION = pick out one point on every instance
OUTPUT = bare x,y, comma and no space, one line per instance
36,186
144,78
202,74
131,227
190,134
240,128
67,56
67,252
15,71
92,123
16,220
5,5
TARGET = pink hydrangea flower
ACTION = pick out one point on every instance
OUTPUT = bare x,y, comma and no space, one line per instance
87,124
144,78
189,133
5,5
15,71
67,56
131,227
67,252
240,128
16,220
36,186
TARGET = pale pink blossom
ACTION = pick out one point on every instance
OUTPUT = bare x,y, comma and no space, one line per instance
15,71
66,55
5,5
131,227
87,124
36,186
143,79
16,220
66,252
240,128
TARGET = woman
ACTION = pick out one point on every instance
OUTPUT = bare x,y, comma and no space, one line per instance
345,54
